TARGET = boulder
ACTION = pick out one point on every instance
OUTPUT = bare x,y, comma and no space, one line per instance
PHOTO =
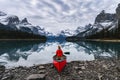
2,69
77,68
41,67
36,77
7,77
41,71
82,67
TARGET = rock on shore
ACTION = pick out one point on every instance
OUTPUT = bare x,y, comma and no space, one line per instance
75,70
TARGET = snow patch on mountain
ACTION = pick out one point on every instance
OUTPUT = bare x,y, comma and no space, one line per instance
69,32
22,25
106,24
98,27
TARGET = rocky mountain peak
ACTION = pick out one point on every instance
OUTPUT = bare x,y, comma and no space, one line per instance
102,12
103,16
88,26
12,20
24,20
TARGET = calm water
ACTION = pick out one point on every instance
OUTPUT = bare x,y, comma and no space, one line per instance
28,53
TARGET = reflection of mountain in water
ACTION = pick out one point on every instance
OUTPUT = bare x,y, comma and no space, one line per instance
100,49
13,50
17,52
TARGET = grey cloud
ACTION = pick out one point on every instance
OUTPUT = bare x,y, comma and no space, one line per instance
49,6
64,6
36,17
61,12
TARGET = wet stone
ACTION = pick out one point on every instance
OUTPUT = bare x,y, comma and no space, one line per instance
20,67
51,66
41,67
82,67
7,77
2,69
105,66
34,67
41,71
99,76
81,64
80,72
118,69
36,77
77,68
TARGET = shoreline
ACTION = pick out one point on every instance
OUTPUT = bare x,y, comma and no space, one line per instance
107,69
22,39
99,40
103,40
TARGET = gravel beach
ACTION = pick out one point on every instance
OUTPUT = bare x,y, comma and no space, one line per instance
76,70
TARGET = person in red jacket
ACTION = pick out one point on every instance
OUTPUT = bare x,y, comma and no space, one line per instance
59,52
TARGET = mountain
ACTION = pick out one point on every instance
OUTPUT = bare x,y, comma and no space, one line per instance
12,27
68,32
24,21
102,17
14,22
65,33
104,29
106,26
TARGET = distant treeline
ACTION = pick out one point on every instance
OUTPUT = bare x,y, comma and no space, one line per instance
16,34
105,33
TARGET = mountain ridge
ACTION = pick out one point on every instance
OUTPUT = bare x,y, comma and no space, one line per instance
106,26
13,28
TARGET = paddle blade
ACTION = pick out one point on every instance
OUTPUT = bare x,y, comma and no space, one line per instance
66,52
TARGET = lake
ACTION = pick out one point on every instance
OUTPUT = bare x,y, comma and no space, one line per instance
28,53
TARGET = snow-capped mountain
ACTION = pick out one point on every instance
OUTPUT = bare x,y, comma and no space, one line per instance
9,19
23,25
99,27
105,23
66,33
42,31
105,26
69,32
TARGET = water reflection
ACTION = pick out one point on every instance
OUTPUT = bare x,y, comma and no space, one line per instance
27,53
13,50
102,49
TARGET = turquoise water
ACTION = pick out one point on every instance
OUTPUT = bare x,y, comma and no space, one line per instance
28,53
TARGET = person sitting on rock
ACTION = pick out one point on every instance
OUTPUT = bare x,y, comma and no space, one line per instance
59,52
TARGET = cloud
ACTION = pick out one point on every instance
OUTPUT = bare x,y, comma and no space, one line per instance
55,15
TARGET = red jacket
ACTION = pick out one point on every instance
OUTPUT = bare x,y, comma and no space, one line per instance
59,53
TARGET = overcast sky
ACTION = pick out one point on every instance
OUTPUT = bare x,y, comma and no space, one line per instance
56,15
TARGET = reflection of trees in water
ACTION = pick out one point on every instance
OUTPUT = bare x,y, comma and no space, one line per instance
13,50
17,49
99,48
